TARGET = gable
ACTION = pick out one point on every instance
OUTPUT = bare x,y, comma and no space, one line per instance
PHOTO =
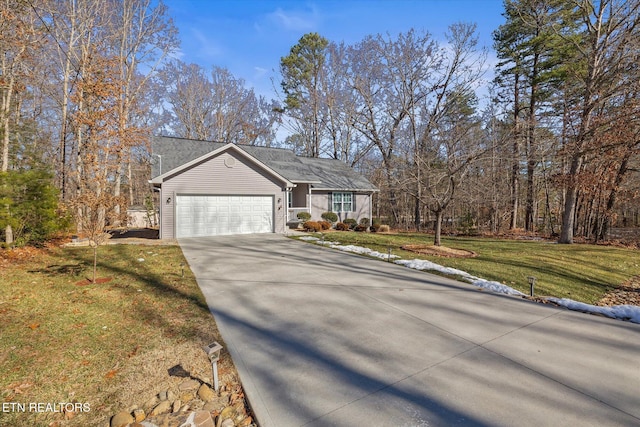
224,173
234,151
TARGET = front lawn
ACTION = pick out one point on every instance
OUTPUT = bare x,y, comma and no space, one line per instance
104,346
580,272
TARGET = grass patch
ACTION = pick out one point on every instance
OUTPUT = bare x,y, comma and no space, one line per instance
105,344
580,272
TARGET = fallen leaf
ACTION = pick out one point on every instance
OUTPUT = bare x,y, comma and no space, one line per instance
34,326
112,373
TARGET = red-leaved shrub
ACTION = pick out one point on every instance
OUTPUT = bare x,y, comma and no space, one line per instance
312,226
326,225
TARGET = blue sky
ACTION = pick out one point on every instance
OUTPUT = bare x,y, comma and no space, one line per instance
248,37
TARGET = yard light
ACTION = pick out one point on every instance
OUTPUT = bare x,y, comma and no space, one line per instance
213,351
532,283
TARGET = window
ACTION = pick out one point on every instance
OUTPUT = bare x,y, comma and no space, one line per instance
289,199
342,202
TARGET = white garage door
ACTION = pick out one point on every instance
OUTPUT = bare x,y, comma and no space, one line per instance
198,216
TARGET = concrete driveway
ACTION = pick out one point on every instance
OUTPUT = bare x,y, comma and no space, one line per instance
325,338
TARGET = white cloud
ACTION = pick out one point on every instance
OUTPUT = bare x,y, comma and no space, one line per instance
295,20
205,47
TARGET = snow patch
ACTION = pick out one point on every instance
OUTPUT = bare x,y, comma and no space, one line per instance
421,264
362,251
349,248
622,312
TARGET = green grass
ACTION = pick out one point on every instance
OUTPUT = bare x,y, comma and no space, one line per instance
65,342
580,272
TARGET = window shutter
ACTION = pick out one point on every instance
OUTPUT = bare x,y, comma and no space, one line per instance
330,202
353,202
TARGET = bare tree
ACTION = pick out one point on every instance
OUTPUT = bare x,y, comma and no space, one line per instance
214,107
454,143
143,35
604,69
389,78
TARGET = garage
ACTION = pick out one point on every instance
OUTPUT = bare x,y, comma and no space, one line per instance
215,215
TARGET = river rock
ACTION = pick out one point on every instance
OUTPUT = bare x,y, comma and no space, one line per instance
121,419
188,385
161,408
205,393
139,415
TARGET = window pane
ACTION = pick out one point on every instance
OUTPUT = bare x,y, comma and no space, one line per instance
335,202
342,202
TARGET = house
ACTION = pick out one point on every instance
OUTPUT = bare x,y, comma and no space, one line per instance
210,188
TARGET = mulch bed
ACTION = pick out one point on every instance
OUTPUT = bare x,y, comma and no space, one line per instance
99,281
626,294
441,251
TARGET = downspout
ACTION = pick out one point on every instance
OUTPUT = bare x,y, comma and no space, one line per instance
160,213
370,211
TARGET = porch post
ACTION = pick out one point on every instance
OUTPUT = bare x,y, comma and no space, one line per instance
309,199
285,208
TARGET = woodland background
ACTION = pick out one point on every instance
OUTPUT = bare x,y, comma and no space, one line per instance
553,149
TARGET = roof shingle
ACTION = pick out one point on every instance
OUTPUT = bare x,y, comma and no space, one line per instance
325,174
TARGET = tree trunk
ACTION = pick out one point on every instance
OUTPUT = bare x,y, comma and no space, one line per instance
571,198
5,113
613,195
437,228
515,168
95,262
529,212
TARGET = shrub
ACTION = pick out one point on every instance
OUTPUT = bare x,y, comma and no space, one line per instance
364,221
325,225
304,216
375,227
350,222
312,226
30,206
341,226
361,228
383,228
332,217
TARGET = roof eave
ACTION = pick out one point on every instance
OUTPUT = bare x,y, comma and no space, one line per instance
356,190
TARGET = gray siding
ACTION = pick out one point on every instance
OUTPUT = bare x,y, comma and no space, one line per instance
299,195
225,174
320,204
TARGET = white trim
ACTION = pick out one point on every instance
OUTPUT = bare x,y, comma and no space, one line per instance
346,190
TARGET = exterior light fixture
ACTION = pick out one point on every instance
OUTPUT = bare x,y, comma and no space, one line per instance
213,352
532,283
